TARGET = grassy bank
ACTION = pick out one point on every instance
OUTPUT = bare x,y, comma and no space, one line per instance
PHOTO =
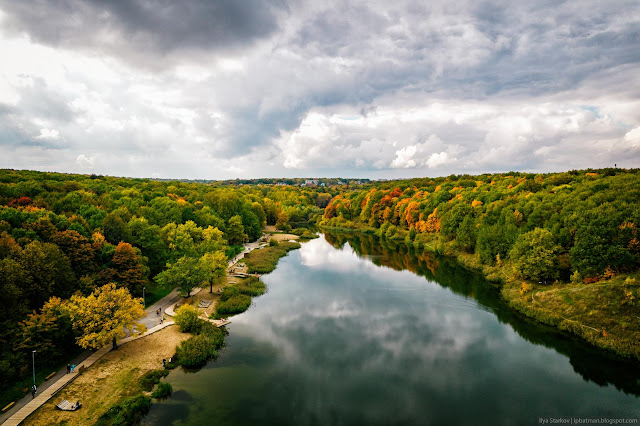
264,260
604,313
237,298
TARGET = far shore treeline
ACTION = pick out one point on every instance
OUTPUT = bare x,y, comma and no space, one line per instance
550,226
64,235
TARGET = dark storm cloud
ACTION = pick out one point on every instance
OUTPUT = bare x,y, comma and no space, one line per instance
157,27
476,84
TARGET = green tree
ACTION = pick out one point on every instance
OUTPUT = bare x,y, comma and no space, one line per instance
148,238
185,274
535,255
49,332
115,229
258,210
217,263
48,273
466,234
235,230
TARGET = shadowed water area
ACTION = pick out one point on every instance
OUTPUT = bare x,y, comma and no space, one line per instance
355,331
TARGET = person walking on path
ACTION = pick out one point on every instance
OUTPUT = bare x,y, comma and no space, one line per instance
34,389
68,368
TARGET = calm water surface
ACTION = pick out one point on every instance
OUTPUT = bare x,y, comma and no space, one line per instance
353,331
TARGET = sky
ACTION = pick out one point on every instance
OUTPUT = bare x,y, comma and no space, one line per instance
375,89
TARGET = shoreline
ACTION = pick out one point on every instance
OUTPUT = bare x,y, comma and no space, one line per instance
525,298
120,369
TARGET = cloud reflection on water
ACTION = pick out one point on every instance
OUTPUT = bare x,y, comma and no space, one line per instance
350,342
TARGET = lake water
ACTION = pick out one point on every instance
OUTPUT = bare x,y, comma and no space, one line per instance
353,331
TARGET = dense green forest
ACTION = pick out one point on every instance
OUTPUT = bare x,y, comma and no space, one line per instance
61,234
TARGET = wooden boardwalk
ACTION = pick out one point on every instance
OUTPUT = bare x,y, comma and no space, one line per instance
43,397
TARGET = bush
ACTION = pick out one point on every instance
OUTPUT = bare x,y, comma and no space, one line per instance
273,243
187,318
214,333
196,351
152,378
265,260
251,286
128,412
535,255
164,390
234,305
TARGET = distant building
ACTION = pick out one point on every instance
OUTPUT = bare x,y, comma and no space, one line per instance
310,182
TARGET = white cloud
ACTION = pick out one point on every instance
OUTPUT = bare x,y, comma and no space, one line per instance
49,134
437,159
404,157
86,162
632,137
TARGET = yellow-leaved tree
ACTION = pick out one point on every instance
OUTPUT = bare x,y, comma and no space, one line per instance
103,316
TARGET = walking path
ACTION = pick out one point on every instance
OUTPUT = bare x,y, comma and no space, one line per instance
45,395
24,407
61,379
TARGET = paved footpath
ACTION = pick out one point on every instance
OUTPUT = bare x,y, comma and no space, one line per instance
25,406
45,395
46,390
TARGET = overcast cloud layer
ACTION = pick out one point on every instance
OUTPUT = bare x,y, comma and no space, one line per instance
226,89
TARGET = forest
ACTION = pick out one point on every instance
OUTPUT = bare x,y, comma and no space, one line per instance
578,225
62,236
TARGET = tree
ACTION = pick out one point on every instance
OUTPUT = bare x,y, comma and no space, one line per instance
12,277
322,200
258,210
128,270
212,240
235,230
466,234
251,224
217,263
103,316
149,239
187,318
283,221
271,211
115,229
535,255
48,273
49,332
78,249
185,274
